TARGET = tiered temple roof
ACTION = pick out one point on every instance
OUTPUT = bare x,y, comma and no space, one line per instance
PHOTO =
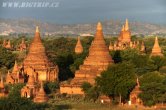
79,47
96,62
124,39
156,50
36,57
38,60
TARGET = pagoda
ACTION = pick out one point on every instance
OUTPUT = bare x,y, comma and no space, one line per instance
22,45
135,100
15,76
96,62
78,48
30,89
124,40
41,96
125,34
37,59
156,50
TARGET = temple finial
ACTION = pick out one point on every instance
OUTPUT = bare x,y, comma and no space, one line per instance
99,26
37,29
138,82
126,25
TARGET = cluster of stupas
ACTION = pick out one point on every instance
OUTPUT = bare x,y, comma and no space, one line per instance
99,59
37,68
96,62
124,40
21,47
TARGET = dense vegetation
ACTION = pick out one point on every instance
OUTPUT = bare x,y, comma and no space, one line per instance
116,82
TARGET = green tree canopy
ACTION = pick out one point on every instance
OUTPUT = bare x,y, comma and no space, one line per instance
118,80
153,86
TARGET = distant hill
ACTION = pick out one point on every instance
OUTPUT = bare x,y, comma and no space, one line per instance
111,27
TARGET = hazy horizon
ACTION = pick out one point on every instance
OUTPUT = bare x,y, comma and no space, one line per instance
74,11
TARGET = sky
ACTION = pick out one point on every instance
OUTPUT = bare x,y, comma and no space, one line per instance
86,11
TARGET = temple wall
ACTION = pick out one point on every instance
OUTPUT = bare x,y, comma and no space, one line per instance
71,90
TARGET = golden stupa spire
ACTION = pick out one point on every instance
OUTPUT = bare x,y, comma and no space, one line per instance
99,26
156,43
126,25
78,48
37,29
156,50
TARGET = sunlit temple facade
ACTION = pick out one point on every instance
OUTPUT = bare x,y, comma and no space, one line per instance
96,62
156,50
124,40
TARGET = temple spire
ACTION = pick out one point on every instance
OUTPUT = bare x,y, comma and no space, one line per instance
99,26
156,50
78,48
156,43
37,29
126,25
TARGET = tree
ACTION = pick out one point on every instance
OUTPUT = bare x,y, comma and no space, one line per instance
140,63
14,101
153,86
64,62
7,58
117,80
156,63
117,56
51,87
91,92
